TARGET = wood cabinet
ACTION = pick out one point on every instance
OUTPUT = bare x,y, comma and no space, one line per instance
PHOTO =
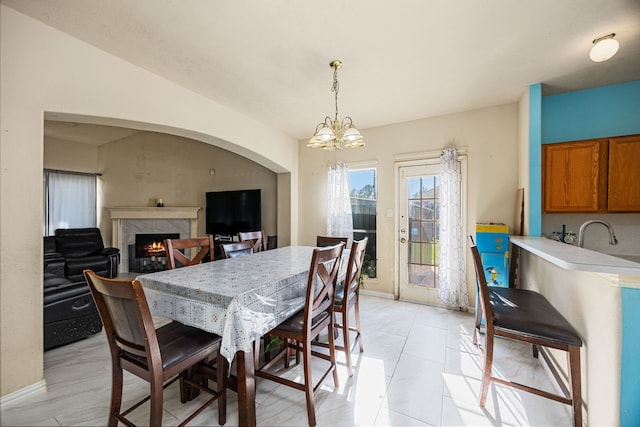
599,175
624,174
574,176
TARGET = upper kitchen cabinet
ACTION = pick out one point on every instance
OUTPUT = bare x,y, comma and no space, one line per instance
574,176
624,174
600,175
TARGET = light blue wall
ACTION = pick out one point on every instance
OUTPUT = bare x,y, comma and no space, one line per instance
535,160
630,375
593,113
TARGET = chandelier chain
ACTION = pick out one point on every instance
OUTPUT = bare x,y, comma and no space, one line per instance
335,88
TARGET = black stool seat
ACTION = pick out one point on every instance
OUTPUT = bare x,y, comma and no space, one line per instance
531,313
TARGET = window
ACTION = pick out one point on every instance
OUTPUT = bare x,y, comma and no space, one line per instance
69,200
363,208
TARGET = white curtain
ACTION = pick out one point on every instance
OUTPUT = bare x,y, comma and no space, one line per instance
339,218
70,200
452,277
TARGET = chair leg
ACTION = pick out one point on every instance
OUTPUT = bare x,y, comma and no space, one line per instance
156,401
332,355
116,395
576,384
476,334
486,374
306,360
345,340
357,315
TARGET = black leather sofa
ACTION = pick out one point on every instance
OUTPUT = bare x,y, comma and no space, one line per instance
70,313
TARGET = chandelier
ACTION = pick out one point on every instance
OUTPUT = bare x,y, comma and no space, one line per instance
332,134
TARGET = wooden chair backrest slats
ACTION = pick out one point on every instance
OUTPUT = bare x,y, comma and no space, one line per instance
126,317
323,273
323,241
256,238
482,286
177,258
354,269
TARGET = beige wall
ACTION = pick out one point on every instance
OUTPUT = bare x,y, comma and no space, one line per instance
491,138
137,170
70,156
44,71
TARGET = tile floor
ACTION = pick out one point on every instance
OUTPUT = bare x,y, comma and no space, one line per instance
419,368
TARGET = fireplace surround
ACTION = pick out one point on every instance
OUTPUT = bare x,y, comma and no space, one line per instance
126,222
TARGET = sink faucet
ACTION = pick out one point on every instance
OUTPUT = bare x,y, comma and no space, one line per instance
612,236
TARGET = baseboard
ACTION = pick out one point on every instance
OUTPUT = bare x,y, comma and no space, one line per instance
378,294
16,396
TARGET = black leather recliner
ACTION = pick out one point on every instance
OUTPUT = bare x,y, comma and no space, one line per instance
70,313
82,249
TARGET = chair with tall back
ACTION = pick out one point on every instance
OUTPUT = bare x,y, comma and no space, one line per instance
232,250
298,331
256,238
157,356
324,241
347,296
177,258
527,316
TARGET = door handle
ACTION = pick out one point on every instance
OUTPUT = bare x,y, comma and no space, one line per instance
403,240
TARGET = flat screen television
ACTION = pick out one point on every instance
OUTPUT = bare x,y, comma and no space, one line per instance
230,212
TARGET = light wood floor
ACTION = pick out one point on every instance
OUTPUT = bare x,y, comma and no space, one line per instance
419,368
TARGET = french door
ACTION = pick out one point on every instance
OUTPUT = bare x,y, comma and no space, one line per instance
418,231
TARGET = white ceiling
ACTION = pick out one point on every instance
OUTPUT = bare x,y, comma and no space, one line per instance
403,60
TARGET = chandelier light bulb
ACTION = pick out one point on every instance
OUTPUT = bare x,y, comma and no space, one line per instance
604,48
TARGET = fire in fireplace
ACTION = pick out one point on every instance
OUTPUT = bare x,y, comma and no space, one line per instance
152,245
148,253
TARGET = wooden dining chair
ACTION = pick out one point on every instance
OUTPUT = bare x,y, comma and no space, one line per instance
347,297
232,250
298,331
176,256
256,238
324,241
156,356
527,316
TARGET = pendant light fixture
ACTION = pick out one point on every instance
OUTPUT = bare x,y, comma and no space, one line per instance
335,134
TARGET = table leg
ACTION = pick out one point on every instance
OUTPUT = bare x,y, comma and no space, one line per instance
246,389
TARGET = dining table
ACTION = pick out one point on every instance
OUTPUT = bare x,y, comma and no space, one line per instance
240,299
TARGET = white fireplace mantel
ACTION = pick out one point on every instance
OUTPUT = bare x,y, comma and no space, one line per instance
121,214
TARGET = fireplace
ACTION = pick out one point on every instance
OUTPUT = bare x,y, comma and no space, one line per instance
148,254
126,222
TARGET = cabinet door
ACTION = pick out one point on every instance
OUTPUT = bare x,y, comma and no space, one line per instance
624,174
574,176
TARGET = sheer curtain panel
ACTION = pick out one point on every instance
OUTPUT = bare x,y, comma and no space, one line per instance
452,281
70,200
339,218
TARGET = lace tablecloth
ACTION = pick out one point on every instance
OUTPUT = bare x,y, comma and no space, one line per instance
239,298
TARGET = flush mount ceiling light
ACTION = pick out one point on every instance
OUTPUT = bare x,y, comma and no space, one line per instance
335,134
604,48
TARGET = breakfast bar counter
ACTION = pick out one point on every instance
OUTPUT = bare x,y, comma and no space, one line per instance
599,295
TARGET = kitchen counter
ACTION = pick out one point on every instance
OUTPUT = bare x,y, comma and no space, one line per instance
575,258
599,295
